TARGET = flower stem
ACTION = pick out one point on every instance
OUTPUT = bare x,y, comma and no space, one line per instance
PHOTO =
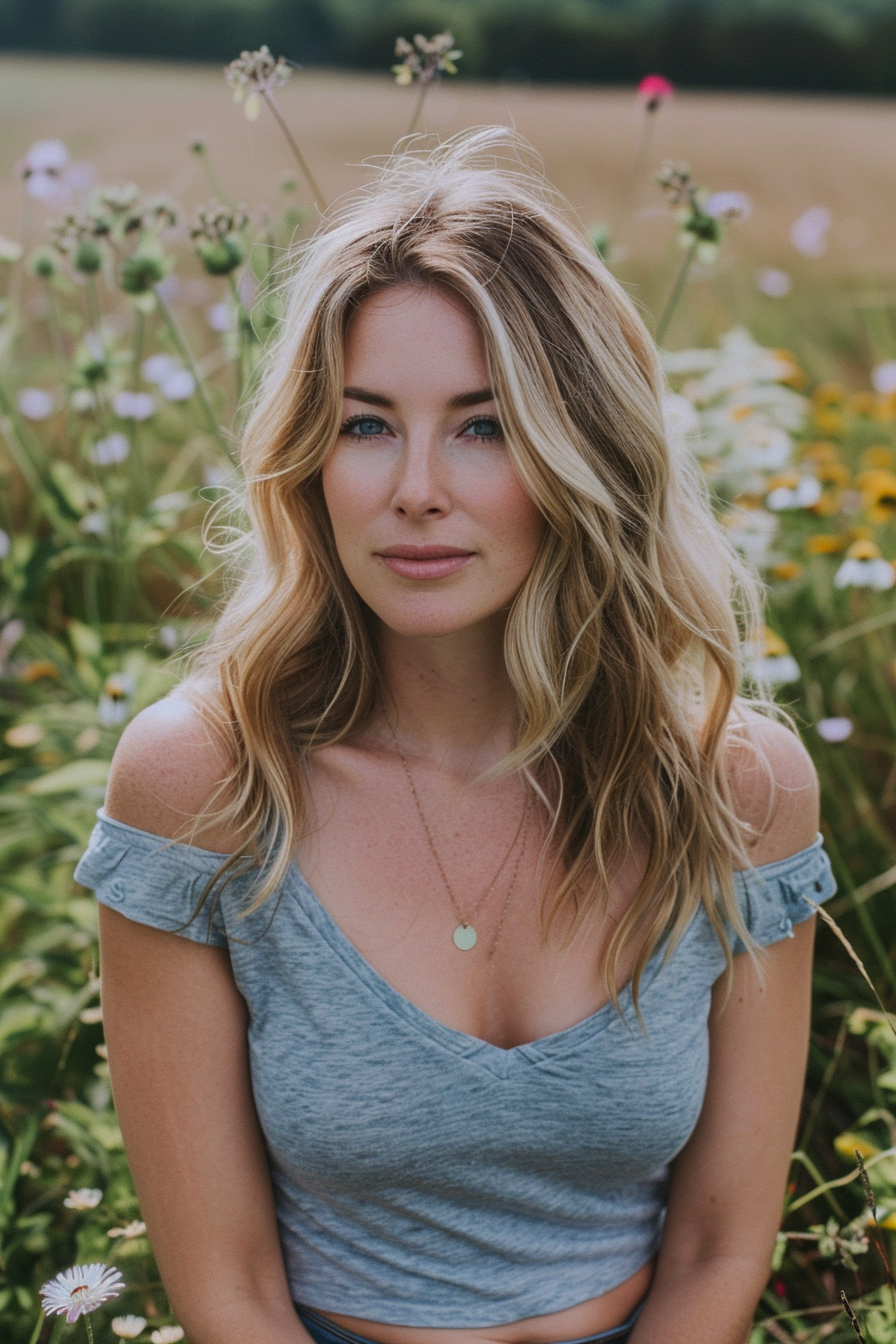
240,341
418,108
89,1328
186,355
672,301
55,325
93,307
39,1325
319,199
628,195
212,177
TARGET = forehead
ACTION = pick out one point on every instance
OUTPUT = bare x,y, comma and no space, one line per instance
406,331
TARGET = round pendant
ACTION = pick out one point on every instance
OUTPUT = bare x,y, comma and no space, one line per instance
465,937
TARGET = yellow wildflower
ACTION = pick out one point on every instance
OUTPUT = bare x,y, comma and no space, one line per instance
784,480
829,394
829,420
42,669
863,403
878,489
825,543
878,455
792,375
787,569
833,473
820,451
846,1145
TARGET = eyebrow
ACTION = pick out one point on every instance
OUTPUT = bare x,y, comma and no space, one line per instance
456,403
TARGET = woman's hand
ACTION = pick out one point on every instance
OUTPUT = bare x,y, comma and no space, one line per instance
176,1031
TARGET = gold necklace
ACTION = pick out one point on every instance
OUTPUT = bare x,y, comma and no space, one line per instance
465,936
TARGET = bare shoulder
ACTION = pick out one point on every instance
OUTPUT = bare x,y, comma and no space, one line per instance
774,785
167,766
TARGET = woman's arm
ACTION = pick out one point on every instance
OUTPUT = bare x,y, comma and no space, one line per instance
728,1183
176,1031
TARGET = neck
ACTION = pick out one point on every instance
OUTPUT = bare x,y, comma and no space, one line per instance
449,698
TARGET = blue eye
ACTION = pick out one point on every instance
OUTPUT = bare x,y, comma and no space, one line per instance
483,427
364,427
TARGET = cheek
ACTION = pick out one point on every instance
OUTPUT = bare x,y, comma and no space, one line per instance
517,521
347,495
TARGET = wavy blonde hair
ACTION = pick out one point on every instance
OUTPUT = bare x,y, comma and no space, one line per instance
623,645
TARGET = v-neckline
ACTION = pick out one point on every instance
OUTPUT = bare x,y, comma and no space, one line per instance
499,1060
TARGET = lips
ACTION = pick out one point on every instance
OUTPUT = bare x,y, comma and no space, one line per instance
424,562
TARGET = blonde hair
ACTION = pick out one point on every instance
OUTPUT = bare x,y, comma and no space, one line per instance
624,643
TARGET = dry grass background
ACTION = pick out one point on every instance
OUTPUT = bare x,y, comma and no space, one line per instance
135,121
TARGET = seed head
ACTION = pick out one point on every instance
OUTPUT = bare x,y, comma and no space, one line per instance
425,59
254,75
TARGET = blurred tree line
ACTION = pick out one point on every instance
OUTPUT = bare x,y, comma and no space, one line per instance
822,45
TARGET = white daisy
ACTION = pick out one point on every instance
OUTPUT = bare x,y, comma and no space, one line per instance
83,1199
178,385
110,451
127,1327
80,1290
834,730
169,1334
133,1229
35,403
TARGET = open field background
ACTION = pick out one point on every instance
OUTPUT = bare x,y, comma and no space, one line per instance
134,121
107,469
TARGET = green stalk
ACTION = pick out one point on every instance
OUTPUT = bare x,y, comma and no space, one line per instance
240,314
677,288
93,306
86,1320
826,1081
822,1187
186,355
418,108
317,194
212,177
55,325
629,190
864,918
136,449
882,690
35,1333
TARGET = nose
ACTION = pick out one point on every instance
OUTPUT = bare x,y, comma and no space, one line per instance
421,487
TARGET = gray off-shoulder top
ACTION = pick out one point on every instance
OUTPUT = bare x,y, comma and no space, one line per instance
425,1177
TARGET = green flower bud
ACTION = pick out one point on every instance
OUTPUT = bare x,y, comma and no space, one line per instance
88,258
141,272
43,265
223,255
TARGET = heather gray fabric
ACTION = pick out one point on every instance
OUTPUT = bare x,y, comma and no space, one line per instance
425,1177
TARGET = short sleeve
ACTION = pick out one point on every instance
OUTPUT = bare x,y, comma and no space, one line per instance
778,895
151,880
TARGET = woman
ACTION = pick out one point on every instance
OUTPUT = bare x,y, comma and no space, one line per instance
443,1020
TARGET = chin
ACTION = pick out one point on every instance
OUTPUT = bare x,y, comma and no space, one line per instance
424,621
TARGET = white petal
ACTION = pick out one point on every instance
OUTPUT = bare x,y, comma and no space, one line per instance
834,730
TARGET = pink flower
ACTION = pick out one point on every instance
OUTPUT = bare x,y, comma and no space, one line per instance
654,90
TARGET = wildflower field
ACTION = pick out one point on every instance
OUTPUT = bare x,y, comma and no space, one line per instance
140,259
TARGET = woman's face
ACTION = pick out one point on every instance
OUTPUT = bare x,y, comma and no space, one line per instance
432,524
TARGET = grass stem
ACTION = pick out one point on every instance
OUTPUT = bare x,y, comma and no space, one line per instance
665,318
317,194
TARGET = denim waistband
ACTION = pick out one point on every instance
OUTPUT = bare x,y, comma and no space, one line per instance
324,1331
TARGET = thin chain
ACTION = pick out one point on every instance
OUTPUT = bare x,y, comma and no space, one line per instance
523,837
465,920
